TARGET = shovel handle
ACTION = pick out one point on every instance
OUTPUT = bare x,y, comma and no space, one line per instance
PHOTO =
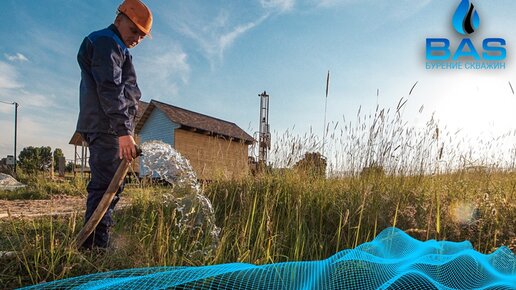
106,200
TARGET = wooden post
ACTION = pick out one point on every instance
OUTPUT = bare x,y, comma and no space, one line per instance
52,167
74,161
83,161
62,166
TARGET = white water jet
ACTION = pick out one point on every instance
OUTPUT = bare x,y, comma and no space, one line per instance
196,215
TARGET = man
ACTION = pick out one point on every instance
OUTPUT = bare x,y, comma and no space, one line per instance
109,98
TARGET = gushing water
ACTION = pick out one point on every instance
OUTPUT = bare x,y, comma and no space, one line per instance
196,214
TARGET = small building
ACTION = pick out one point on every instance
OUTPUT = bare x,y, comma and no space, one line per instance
6,164
80,160
213,146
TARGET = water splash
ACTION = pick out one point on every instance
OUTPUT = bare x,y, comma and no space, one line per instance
162,162
196,215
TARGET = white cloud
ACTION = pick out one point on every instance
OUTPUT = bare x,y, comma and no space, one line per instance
215,34
11,89
29,104
226,40
333,3
6,108
398,8
29,99
409,8
163,68
17,57
216,37
40,121
214,28
48,42
281,5
8,77
174,63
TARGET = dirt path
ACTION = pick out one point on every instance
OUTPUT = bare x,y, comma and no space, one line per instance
57,205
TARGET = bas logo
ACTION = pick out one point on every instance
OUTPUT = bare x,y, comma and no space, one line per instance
466,21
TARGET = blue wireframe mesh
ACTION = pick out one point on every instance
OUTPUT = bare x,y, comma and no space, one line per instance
393,260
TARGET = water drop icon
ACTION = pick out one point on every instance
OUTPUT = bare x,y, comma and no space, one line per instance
466,19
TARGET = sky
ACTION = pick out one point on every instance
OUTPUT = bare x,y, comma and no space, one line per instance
215,57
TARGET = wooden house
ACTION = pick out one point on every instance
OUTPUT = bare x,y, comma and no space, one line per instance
214,147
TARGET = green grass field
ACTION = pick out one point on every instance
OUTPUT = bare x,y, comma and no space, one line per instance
271,218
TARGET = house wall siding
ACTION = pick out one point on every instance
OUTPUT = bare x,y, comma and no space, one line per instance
213,157
157,127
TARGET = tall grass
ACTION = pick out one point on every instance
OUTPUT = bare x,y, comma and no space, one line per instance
385,139
430,190
273,218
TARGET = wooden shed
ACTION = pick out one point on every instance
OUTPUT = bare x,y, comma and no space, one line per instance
213,146
80,161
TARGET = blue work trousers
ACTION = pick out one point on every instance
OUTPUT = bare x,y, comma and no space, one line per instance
104,161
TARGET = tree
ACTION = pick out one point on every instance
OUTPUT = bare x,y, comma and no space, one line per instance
312,164
69,167
33,159
374,170
57,153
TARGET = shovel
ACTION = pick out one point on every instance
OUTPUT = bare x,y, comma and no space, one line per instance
106,200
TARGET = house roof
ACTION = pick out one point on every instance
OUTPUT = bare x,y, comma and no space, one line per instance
195,121
142,106
77,138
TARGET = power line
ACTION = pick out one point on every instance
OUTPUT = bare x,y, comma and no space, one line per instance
8,103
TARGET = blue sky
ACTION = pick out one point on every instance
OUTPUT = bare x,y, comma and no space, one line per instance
215,57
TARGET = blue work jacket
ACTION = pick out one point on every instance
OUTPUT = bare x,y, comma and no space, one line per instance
109,93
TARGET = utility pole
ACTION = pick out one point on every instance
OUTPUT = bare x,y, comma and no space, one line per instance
15,131
15,127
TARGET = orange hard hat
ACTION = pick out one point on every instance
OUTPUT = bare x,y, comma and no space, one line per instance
139,14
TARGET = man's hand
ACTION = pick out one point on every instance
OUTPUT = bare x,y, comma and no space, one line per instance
127,147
